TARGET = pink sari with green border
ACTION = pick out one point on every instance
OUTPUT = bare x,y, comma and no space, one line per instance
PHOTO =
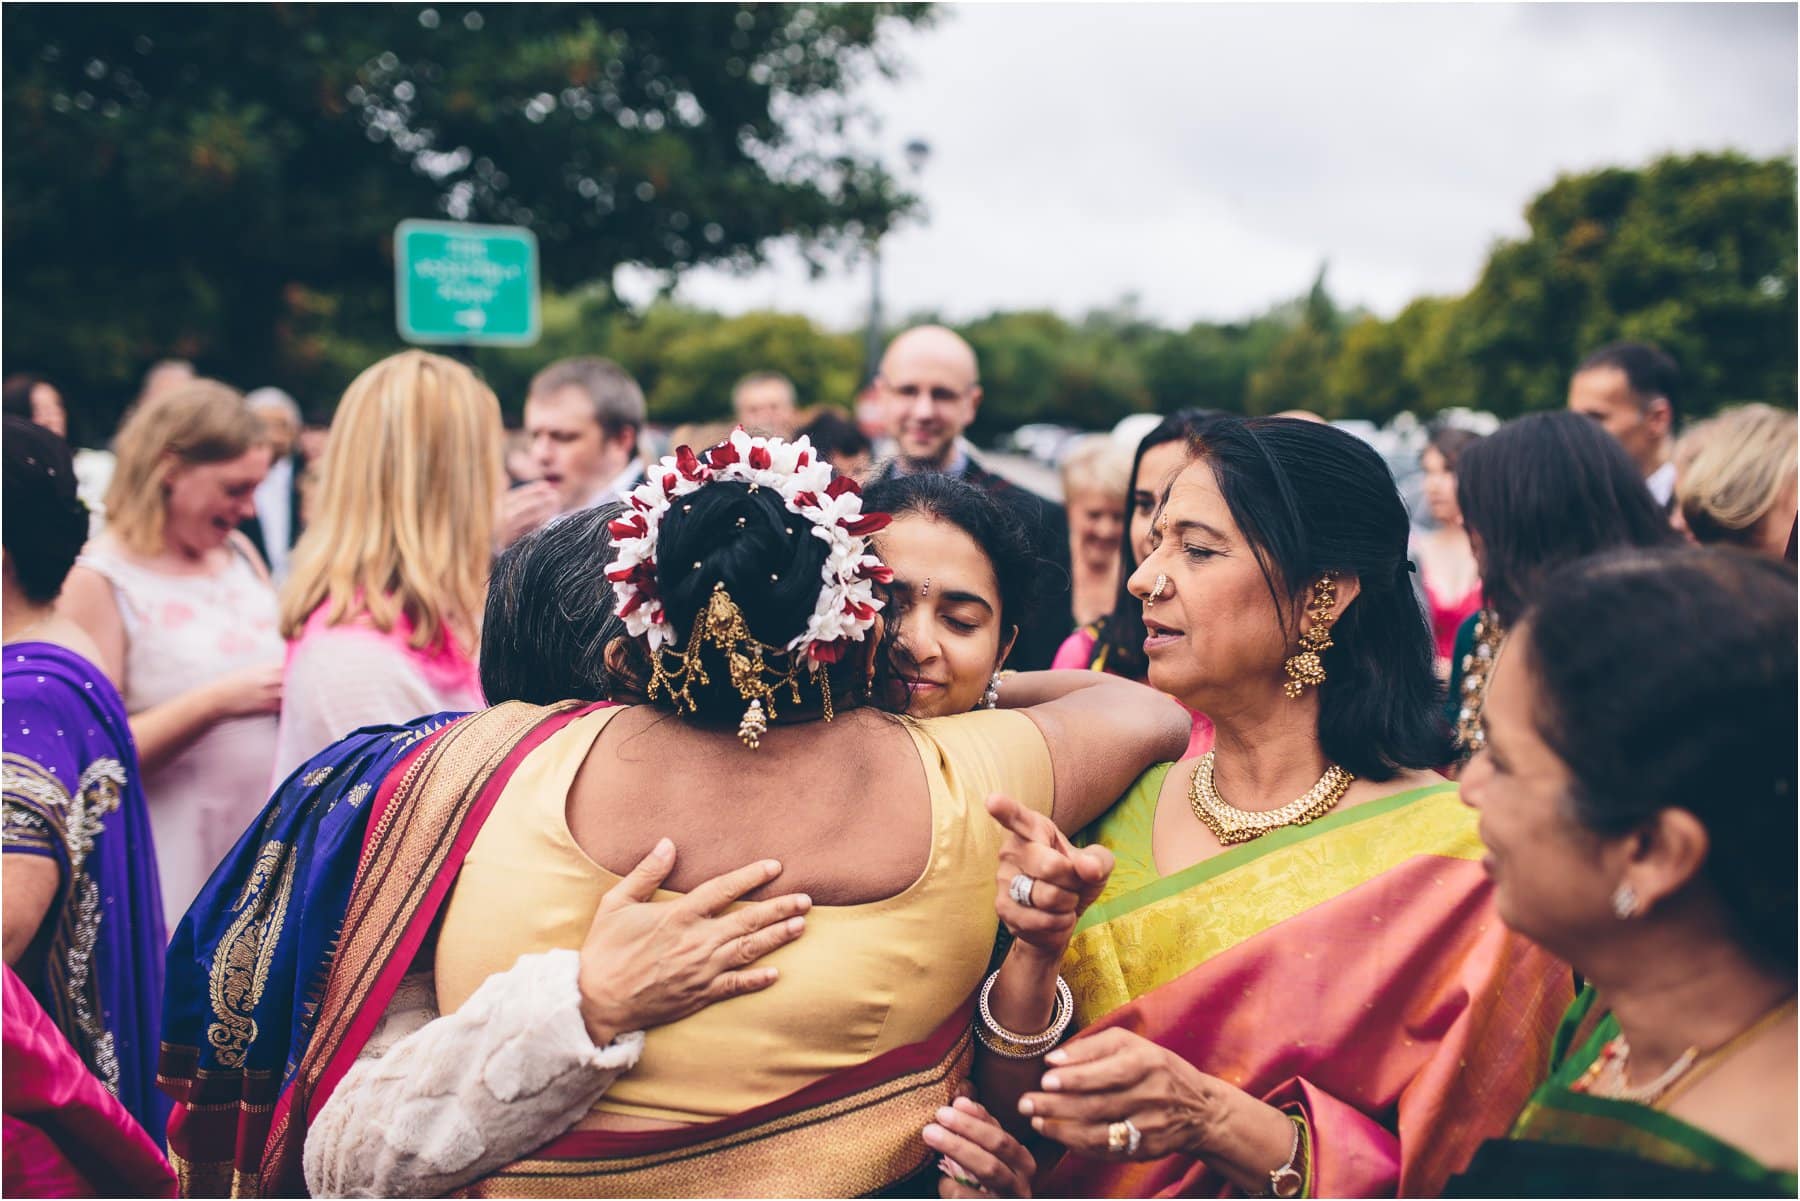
1353,969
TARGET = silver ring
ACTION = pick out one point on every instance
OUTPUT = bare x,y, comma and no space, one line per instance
1020,890
1123,1137
1162,582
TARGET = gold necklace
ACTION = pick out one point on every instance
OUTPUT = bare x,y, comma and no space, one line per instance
1607,1075
1232,825
1475,666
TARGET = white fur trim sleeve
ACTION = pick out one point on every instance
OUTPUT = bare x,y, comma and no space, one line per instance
435,1102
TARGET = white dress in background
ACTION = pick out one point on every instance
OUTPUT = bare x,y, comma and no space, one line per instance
182,632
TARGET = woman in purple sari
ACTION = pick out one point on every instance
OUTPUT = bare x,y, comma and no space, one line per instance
82,909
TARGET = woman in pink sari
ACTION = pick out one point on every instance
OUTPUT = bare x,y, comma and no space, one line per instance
1284,953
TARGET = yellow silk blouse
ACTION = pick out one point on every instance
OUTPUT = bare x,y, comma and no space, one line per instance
863,980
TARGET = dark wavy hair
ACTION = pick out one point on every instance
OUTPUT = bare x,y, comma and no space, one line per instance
1119,635
550,614
45,523
1666,679
768,560
1544,490
1310,498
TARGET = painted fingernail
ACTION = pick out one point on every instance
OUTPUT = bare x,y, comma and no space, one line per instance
934,1132
1025,1106
967,1106
1037,1124
1057,1057
772,866
804,901
796,924
946,1114
664,847
1051,1083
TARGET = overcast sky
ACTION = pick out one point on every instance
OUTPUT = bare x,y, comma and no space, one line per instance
1209,157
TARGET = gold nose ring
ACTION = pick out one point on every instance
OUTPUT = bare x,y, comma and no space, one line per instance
1162,582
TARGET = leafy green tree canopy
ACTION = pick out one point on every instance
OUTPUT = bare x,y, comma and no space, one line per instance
222,181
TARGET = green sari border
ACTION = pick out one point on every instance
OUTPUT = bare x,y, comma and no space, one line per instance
1570,1060
1709,1152
1171,885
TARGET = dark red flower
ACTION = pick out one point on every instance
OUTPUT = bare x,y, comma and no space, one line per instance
722,456
760,458
629,527
881,573
867,524
806,500
827,652
841,484
688,463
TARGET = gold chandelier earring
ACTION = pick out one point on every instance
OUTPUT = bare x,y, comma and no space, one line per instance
1305,666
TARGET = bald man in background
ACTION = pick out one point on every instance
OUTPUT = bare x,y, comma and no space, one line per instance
929,387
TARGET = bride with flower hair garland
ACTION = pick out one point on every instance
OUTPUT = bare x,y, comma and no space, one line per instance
746,579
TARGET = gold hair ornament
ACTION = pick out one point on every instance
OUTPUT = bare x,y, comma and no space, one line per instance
753,675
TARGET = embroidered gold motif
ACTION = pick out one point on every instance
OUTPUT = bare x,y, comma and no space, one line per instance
75,822
317,776
240,968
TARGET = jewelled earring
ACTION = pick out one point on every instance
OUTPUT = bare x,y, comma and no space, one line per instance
1162,582
1306,667
991,698
1625,902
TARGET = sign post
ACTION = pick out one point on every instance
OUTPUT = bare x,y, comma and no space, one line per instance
473,285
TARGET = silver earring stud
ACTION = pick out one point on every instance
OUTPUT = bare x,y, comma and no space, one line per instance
1625,902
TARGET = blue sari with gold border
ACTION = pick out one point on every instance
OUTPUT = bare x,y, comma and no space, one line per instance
249,959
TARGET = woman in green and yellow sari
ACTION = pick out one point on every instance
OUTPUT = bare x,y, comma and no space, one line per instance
1636,792
1283,955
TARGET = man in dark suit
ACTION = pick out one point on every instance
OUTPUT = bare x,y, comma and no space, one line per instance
929,388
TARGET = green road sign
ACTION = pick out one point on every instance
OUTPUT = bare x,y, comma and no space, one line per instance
473,284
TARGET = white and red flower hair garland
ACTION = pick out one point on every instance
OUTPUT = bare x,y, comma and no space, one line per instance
832,503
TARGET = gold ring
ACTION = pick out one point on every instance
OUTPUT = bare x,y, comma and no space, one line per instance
1123,1137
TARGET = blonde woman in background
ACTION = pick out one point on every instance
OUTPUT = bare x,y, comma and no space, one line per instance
183,613
382,611
1095,479
1736,480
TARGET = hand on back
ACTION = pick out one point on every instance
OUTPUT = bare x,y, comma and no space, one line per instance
648,963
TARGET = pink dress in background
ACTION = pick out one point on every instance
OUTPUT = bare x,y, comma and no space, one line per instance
339,678
1077,654
185,631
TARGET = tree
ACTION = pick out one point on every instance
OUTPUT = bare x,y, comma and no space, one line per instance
222,182
1695,253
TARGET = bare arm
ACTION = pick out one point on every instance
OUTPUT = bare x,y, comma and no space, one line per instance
1023,689
27,889
87,599
1103,732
